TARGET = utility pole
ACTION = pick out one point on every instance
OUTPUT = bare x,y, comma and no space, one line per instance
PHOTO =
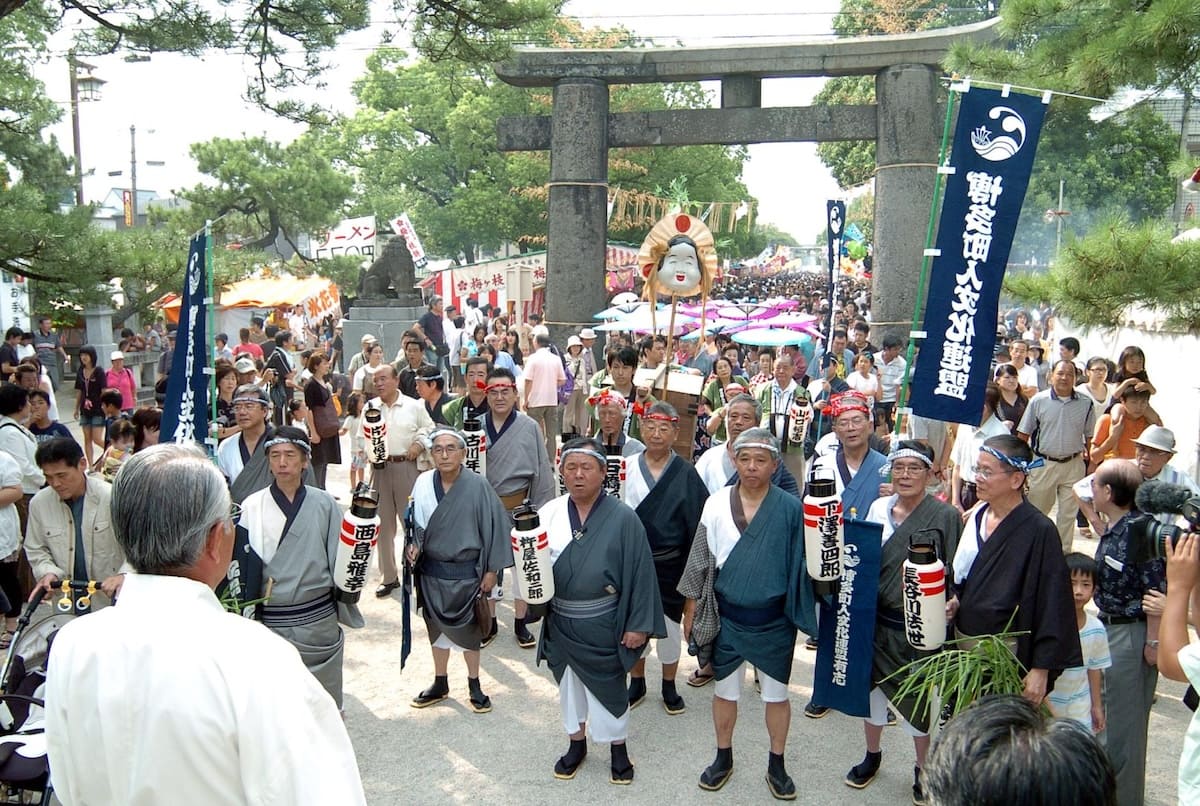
133,174
74,67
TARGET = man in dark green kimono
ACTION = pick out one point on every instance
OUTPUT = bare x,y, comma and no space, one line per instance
606,605
752,533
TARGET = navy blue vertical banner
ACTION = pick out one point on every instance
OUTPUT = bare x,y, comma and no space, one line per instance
846,633
185,410
835,212
995,140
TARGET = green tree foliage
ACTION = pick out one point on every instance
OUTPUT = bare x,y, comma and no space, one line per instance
1119,264
287,41
852,162
1115,166
424,141
1094,49
266,193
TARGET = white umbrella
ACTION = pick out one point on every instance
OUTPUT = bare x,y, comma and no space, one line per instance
770,337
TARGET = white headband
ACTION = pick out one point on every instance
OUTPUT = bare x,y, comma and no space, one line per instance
766,446
601,458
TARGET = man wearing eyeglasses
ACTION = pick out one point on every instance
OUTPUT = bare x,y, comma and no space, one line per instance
855,467
517,465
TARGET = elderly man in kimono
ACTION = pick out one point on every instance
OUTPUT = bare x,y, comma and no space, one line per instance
292,532
908,515
716,465
856,468
610,406
517,467
1009,569
667,494
241,457
606,605
460,543
746,582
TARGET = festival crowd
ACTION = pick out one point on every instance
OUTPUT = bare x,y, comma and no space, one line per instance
700,545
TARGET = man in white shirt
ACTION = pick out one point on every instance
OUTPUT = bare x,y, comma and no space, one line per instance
408,423
198,706
543,376
1027,374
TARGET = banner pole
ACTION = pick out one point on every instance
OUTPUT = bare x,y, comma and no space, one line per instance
926,259
211,351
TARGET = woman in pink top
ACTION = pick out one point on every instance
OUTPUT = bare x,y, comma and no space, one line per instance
120,377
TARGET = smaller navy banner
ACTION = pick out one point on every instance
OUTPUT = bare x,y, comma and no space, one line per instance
846,634
185,410
835,211
992,156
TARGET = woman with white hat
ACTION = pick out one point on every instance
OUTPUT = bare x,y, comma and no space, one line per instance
575,413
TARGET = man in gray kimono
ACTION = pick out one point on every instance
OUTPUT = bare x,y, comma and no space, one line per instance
517,467
606,605
285,551
460,542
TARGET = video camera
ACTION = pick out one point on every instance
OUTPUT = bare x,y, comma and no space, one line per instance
1156,498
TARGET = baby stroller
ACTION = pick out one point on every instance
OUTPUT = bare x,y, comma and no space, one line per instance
24,764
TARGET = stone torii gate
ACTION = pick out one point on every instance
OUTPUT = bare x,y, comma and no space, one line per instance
905,123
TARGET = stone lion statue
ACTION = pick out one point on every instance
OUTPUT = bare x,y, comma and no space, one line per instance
392,275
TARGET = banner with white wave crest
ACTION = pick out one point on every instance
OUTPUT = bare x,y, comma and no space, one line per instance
991,160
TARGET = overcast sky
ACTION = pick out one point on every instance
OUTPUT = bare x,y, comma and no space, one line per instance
174,100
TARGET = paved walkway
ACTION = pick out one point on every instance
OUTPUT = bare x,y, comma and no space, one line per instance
446,754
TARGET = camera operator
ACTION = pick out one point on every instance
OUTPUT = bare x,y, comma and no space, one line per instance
1154,449
1123,580
1181,660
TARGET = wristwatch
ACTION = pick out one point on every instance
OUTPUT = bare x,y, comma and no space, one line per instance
1152,644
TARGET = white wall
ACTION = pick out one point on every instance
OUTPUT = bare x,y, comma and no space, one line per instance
1173,362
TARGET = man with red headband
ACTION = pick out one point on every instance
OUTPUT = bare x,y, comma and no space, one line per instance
473,405
517,465
855,467
610,407
668,495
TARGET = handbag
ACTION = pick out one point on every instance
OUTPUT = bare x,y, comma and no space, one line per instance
325,420
483,613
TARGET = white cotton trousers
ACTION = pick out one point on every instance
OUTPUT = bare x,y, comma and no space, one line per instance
580,706
667,648
730,687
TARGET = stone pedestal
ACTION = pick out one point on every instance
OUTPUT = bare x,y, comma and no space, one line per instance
578,207
98,332
906,150
386,320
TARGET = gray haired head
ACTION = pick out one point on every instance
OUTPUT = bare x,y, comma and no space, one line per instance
663,408
749,400
757,438
165,500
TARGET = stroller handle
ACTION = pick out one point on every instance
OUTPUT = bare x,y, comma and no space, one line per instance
27,616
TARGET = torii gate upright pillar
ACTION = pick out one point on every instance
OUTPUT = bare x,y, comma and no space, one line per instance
906,152
578,226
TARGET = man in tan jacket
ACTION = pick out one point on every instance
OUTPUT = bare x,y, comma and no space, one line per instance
70,535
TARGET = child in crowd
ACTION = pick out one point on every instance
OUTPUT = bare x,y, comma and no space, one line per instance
353,426
1078,693
298,414
121,434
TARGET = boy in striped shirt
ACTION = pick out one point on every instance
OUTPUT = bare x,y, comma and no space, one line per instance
1078,693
